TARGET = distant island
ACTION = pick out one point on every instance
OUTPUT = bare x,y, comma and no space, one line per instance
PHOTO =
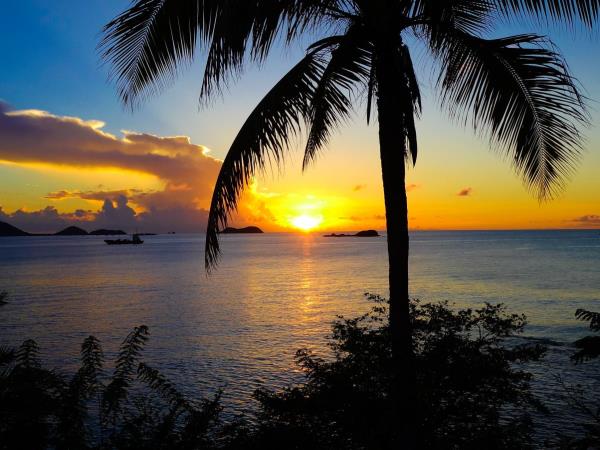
364,233
76,231
7,229
72,231
245,230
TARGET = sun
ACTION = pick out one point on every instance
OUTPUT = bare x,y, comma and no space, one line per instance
306,222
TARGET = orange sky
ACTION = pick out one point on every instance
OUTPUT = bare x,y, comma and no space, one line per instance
71,164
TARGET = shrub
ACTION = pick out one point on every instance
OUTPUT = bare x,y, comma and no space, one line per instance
470,389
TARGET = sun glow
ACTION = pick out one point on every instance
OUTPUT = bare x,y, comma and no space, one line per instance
306,222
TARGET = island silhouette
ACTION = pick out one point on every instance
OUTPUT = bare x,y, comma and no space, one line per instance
7,229
245,230
363,233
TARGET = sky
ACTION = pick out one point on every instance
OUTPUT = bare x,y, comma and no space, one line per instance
70,153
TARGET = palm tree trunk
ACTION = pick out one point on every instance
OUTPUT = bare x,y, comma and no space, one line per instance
392,144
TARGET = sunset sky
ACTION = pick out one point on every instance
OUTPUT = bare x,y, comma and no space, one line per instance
71,154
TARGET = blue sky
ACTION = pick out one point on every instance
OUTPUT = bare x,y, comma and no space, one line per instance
50,62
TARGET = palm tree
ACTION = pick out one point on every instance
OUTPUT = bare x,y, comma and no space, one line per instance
517,89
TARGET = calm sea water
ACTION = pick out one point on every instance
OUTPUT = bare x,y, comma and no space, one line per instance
239,328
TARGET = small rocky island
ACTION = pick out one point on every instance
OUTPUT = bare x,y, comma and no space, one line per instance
364,233
245,230
7,229
72,231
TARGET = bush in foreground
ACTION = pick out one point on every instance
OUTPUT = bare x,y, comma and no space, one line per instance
471,392
469,387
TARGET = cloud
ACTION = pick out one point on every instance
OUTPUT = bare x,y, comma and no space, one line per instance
33,136
116,214
466,192
359,187
187,171
411,187
4,107
588,220
91,195
42,221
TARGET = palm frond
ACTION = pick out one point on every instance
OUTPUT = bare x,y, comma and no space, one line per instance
250,28
7,356
159,383
28,354
199,421
263,138
331,103
129,354
589,316
589,348
470,16
149,41
73,412
92,360
521,92
586,11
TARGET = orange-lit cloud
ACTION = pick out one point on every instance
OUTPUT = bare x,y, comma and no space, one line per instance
187,172
33,136
465,192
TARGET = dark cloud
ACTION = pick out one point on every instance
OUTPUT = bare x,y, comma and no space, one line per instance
42,221
466,192
359,187
117,214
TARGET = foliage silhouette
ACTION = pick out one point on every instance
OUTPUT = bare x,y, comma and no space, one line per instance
582,398
517,90
468,378
589,345
41,409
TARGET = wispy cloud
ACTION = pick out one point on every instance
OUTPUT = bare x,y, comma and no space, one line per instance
588,220
359,187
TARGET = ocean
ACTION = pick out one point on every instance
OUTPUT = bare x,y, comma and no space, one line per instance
238,329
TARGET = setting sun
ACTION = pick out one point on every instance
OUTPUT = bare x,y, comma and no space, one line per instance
306,222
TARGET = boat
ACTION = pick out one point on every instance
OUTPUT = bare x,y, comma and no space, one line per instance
135,240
